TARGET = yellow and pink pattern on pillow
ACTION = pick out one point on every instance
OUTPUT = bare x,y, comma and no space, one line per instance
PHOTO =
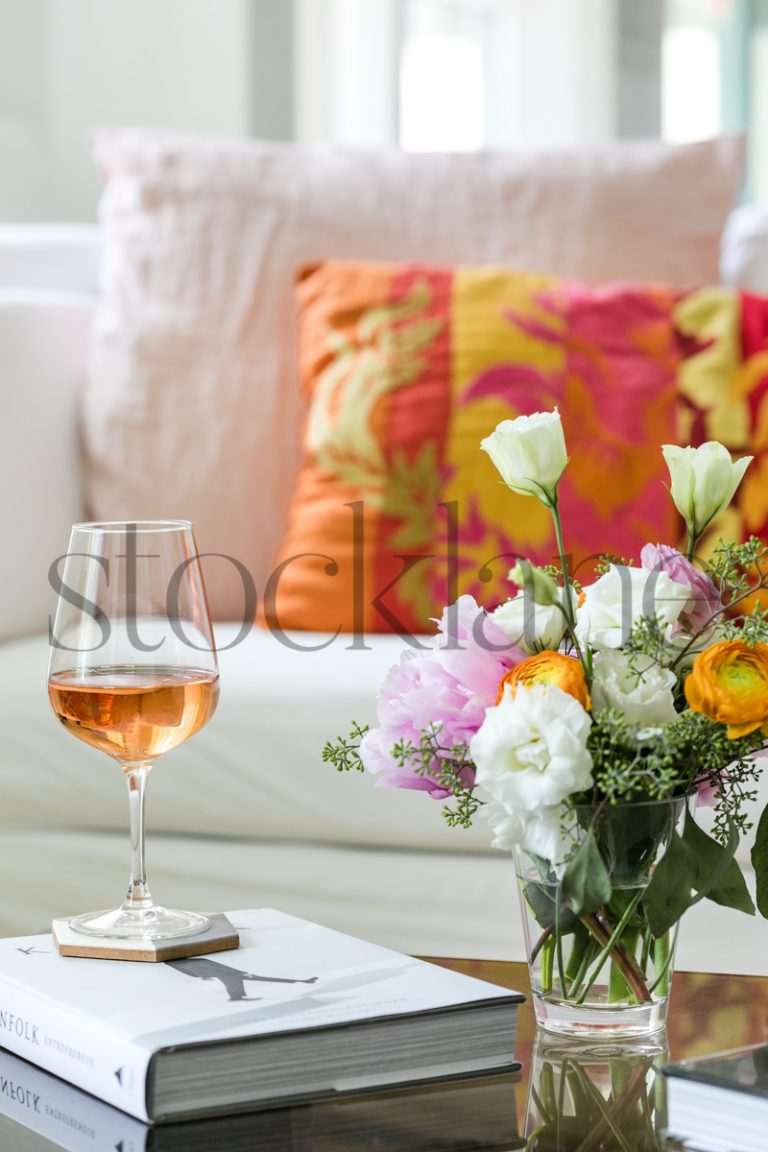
406,368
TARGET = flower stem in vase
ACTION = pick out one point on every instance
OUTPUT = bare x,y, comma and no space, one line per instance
663,950
612,948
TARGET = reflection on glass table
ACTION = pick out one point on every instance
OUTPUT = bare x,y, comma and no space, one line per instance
611,1097
595,1098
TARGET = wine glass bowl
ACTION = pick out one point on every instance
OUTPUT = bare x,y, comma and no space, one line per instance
133,673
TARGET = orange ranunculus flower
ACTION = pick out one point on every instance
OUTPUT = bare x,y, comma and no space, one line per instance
729,684
564,672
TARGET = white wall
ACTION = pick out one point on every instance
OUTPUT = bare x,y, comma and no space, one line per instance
560,73
563,73
24,108
218,66
346,71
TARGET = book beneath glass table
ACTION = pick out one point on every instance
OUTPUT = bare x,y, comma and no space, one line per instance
594,1096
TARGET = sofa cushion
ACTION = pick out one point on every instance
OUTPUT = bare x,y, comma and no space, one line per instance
255,770
406,367
192,409
421,902
744,252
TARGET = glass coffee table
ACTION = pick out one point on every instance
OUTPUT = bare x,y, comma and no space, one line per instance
566,1098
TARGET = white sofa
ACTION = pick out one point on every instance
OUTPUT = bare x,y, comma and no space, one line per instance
245,814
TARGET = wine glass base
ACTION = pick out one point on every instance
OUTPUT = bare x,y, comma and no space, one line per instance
149,924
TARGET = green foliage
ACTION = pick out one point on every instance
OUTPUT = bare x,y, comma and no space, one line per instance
555,571
545,909
760,863
718,876
631,764
669,892
449,768
647,639
345,754
654,763
608,560
739,570
752,629
730,563
586,883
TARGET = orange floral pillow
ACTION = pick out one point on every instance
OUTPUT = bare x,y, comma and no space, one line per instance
406,368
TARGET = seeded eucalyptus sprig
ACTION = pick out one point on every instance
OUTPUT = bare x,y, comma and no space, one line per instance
647,638
345,753
447,767
607,561
731,563
628,764
671,759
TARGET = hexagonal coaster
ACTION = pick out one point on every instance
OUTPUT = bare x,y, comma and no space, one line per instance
220,936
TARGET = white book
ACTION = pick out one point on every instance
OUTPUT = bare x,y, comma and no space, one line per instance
298,1012
453,1116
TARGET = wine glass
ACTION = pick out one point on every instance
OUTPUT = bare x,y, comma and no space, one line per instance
133,672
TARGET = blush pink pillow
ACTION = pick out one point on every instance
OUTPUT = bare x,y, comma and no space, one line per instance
192,407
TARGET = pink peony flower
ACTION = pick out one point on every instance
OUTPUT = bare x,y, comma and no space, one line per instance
704,601
451,683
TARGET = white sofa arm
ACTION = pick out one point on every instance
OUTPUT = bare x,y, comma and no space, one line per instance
43,354
50,257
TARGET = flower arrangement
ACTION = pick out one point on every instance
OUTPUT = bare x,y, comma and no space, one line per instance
582,719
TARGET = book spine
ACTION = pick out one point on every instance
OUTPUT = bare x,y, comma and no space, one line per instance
71,1119
77,1050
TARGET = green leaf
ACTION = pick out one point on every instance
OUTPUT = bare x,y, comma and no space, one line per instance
542,905
669,892
586,883
718,875
760,862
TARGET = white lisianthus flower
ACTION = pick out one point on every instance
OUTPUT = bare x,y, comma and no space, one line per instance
530,752
704,481
615,603
531,626
539,832
635,686
529,453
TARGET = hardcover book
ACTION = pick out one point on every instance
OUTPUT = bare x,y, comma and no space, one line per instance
448,1117
719,1103
299,1012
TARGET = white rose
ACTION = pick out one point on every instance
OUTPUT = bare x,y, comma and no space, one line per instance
531,626
615,603
704,480
635,686
531,750
530,454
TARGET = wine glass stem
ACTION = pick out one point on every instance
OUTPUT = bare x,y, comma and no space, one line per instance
138,897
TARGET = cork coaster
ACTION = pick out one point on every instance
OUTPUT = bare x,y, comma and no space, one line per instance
220,936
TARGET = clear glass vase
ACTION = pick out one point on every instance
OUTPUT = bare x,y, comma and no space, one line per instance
602,974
